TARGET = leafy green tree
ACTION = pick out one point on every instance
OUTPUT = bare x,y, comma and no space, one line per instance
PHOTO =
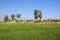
35,14
12,16
40,15
18,16
6,19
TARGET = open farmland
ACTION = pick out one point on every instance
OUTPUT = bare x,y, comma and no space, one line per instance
29,32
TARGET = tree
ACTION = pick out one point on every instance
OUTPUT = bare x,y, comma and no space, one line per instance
12,16
35,14
6,19
18,16
40,15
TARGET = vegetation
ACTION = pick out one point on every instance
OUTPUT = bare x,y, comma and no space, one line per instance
40,15
6,18
29,32
12,16
37,14
18,16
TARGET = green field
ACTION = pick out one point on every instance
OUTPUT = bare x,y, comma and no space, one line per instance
29,32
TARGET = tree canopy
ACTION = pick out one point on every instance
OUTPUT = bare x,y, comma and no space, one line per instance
12,16
18,15
6,18
37,14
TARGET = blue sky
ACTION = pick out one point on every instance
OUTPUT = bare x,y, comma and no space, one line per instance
49,8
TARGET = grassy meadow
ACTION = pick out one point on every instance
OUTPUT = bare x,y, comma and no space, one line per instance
29,31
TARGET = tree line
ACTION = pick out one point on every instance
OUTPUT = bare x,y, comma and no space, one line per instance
6,18
37,14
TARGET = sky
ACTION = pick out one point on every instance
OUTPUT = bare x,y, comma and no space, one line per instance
50,8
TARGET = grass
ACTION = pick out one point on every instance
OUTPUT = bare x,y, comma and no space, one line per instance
29,32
